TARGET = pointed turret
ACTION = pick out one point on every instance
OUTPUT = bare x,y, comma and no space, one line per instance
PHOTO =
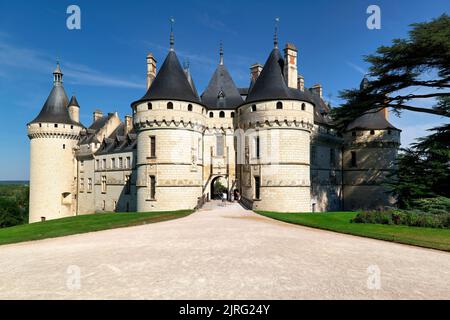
74,109
171,82
55,107
221,92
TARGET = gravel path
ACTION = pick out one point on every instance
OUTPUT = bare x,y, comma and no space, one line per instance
221,253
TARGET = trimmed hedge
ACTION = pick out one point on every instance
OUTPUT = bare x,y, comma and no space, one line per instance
431,213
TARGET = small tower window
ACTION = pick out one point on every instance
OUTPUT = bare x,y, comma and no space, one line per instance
170,105
353,160
232,114
372,132
389,131
189,107
303,107
353,133
71,127
279,105
211,115
254,108
149,106
56,125
222,114
40,125
64,146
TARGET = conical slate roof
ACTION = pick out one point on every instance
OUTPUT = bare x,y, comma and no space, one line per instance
55,108
73,102
171,83
221,92
371,121
271,84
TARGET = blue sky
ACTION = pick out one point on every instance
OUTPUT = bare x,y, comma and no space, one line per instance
104,62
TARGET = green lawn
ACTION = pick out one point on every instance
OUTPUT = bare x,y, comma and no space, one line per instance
83,224
340,222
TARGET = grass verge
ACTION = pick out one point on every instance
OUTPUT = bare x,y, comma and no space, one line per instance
82,224
340,222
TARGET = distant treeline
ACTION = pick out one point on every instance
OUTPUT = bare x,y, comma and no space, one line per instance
14,200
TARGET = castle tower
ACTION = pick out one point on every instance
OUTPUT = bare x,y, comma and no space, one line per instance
370,149
169,120
53,137
276,121
222,97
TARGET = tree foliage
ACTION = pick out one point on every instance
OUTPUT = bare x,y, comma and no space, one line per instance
13,205
403,74
423,169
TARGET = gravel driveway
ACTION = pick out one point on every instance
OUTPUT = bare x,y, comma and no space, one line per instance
221,253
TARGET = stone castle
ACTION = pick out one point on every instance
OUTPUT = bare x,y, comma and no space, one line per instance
274,142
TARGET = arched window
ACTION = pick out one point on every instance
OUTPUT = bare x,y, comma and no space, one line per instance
303,107
372,132
232,114
170,105
222,114
279,105
189,107
149,106
254,108
211,114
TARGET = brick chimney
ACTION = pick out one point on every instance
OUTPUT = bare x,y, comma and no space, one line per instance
128,124
98,114
290,65
317,89
255,71
151,69
301,82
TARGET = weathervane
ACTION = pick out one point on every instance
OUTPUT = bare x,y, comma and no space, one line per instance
275,37
172,40
221,53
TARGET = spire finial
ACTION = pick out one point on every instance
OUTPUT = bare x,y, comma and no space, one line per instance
221,53
172,39
275,36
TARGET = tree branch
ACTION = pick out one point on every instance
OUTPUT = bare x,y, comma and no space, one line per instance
419,109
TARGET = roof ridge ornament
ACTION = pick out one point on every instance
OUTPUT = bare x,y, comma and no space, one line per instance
221,53
275,36
172,39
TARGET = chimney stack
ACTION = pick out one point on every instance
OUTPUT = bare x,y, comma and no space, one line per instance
98,114
151,69
255,71
128,124
300,83
290,66
317,89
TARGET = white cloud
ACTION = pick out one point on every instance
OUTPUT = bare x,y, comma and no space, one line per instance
357,68
411,133
13,58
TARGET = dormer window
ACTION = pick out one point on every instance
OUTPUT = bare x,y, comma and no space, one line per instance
170,106
279,105
189,107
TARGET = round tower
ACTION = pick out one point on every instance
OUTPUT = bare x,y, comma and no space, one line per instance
276,121
371,144
169,120
53,137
